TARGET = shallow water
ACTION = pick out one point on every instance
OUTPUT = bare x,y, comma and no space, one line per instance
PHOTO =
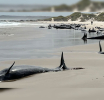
32,15
43,46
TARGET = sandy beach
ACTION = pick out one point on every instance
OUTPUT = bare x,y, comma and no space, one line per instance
85,84
87,23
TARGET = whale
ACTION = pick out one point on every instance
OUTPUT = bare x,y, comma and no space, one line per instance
14,73
91,30
17,72
100,48
95,37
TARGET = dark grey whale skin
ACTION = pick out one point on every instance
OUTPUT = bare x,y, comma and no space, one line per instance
17,72
21,71
100,48
97,37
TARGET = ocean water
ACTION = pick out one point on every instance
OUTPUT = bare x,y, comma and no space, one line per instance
38,47
32,15
42,47
20,24
35,13
2,24
5,17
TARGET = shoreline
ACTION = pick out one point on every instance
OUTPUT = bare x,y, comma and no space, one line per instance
88,81
57,50
68,49
59,85
21,36
88,23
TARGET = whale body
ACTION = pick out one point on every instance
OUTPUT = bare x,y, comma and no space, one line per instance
17,72
101,52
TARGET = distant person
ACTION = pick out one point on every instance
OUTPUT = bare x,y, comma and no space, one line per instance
91,22
85,27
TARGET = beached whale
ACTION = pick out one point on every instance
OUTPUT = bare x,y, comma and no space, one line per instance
91,30
62,26
100,49
95,37
17,72
41,27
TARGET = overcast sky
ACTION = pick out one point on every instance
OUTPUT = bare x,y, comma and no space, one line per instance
50,2
45,2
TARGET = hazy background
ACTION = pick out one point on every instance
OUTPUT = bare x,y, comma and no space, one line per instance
39,2
42,2
51,5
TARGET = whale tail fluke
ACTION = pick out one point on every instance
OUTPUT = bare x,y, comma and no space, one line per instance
100,47
62,63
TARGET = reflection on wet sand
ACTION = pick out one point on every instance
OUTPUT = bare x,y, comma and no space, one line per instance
5,89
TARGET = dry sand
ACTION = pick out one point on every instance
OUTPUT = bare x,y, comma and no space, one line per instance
88,23
86,84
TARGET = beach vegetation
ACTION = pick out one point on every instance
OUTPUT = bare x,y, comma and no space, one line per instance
78,15
100,17
74,16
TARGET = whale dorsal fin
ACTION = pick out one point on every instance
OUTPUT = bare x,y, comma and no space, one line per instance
62,59
64,67
62,63
10,68
100,47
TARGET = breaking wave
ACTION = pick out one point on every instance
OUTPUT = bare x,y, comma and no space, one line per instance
3,24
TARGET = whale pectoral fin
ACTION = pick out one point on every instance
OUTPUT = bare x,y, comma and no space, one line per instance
10,68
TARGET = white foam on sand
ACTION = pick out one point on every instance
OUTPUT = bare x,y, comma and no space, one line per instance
11,35
35,24
5,24
22,24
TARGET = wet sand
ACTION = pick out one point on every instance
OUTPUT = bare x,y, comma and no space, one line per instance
72,84
20,33
85,84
